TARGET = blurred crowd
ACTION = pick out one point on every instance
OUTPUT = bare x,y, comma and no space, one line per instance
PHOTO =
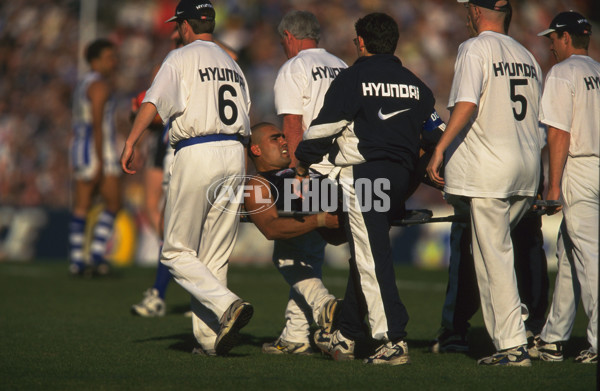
39,62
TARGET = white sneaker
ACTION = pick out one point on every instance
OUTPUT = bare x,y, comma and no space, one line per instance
390,353
281,346
335,345
235,318
587,357
546,351
151,305
515,357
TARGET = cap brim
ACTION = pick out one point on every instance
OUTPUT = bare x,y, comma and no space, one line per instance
546,32
174,18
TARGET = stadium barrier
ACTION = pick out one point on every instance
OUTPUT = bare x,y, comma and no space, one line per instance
38,233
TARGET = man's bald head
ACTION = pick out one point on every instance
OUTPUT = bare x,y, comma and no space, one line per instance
493,15
258,132
268,148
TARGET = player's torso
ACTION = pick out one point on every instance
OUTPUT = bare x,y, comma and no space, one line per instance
301,86
82,111
321,68
584,74
83,148
215,91
392,104
511,90
498,152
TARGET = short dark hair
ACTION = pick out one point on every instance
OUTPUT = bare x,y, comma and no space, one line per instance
379,31
95,48
201,26
579,41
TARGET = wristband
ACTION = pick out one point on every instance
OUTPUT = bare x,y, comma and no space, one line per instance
321,219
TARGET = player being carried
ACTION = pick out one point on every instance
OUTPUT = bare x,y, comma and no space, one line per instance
297,253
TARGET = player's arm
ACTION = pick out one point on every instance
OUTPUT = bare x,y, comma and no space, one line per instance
461,114
558,150
142,121
98,93
338,111
292,128
268,221
432,131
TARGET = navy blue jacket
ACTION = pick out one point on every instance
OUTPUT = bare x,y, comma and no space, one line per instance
374,110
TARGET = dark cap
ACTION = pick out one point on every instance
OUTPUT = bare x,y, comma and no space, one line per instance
570,21
496,5
193,9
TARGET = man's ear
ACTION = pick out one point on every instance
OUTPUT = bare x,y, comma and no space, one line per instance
255,149
288,36
566,37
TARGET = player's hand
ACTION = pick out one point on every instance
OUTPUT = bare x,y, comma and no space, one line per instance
553,195
433,168
127,159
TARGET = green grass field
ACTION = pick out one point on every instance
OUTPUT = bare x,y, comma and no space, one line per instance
62,333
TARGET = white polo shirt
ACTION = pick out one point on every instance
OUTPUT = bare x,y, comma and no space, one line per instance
497,155
571,102
301,85
203,91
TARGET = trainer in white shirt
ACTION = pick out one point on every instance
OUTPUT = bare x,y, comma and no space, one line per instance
492,147
570,108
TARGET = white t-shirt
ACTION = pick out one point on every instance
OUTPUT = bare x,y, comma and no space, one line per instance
301,85
571,102
497,155
203,91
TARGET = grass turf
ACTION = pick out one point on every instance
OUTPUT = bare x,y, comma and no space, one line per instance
64,333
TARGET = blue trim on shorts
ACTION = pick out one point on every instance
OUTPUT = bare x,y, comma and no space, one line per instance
205,139
86,145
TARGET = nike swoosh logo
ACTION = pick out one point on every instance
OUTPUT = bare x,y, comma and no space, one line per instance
390,115
179,12
560,25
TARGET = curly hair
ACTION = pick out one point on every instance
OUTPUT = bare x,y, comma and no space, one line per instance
379,32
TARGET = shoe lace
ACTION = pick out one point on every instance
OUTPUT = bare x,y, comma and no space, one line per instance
388,349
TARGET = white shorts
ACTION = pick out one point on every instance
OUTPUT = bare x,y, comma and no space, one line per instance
85,161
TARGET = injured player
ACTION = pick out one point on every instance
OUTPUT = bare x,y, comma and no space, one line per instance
298,251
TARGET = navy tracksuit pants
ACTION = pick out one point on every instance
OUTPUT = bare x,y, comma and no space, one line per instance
371,291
